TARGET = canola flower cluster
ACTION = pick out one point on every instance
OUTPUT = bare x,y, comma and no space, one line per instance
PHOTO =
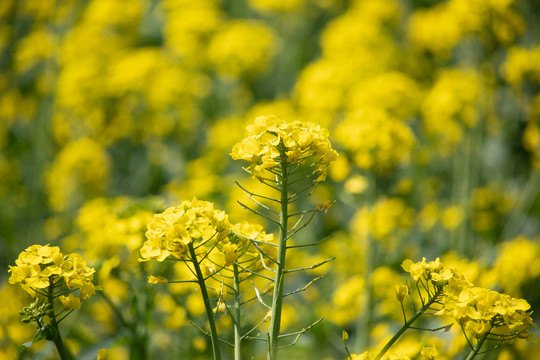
171,232
272,141
477,310
240,247
40,267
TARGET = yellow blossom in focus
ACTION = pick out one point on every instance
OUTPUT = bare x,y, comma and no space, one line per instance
38,266
170,232
478,310
272,141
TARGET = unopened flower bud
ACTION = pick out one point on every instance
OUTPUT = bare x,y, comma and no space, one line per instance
401,291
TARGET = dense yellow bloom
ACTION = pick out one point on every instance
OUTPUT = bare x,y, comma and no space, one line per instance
482,310
517,263
37,46
243,234
170,232
429,353
375,139
38,266
450,106
478,310
272,141
521,63
346,300
441,27
81,167
242,47
391,90
384,218
188,25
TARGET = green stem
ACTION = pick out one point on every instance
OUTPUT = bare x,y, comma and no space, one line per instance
237,324
476,349
207,306
277,299
408,324
58,342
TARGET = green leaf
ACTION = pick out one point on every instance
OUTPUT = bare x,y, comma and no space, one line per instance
47,332
23,347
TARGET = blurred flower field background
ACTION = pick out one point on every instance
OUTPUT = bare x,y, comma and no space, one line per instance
113,110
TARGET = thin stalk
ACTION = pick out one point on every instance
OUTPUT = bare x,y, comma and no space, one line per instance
58,342
206,300
277,299
478,346
237,324
408,324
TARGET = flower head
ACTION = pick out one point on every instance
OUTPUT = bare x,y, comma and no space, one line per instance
38,266
170,232
243,236
272,141
478,310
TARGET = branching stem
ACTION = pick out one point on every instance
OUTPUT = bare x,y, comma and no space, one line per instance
206,300
277,299
408,324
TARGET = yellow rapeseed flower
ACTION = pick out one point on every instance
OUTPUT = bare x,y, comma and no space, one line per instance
170,232
38,266
272,141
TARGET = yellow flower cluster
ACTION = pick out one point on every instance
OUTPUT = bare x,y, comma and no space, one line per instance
482,311
517,264
272,140
383,219
375,139
80,168
38,267
241,244
228,52
450,107
521,63
441,27
170,232
478,310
